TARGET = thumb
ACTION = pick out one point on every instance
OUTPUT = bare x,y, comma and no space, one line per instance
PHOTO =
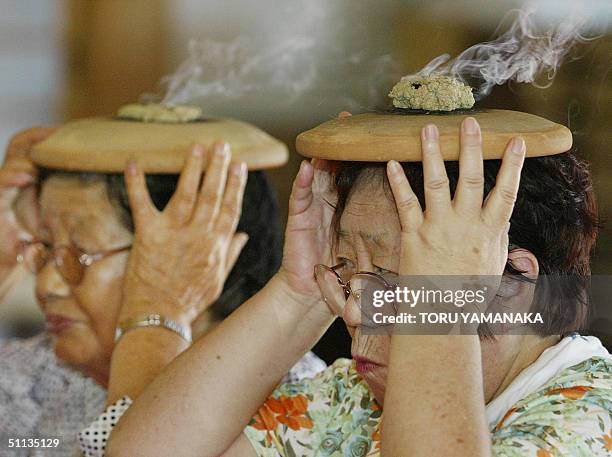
301,193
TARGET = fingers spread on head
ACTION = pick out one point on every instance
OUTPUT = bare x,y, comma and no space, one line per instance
470,188
301,192
140,201
437,190
231,209
213,188
182,202
407,203
500,203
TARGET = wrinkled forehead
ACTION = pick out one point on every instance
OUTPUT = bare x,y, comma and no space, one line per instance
370,212
76,203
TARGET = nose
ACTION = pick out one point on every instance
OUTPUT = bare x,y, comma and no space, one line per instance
352,313
50,283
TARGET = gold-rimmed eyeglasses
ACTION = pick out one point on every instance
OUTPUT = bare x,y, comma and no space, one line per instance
70,261
338,286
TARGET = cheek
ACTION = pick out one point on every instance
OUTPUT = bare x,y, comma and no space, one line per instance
99,295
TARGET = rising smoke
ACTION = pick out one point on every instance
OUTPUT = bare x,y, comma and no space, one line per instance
313,56
232,69
524,53
225,71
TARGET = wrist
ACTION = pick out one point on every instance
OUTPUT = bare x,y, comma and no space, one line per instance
153,321
133,308
302,302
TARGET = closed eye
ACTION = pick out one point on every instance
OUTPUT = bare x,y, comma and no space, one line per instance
347,270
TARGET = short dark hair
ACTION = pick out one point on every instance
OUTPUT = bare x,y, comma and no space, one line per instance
259,259
555,218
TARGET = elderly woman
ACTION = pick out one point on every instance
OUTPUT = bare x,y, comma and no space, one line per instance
461,395
54,384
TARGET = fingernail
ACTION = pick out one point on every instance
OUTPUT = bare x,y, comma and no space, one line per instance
132,168
197,151
518,145
431,132
238,168
470,126
221,149
394,167
24,177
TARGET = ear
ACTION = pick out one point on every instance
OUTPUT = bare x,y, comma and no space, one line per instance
524,260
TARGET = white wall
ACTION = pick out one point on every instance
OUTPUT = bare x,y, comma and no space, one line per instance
31,64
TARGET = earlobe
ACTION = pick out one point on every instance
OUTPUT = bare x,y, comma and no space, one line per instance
524,261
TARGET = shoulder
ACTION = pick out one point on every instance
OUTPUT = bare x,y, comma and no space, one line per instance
37,392
571,414
21,362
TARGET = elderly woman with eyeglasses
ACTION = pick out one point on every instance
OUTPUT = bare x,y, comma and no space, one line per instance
534,394
74,231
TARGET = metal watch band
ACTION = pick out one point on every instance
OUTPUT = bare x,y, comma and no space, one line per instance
152,320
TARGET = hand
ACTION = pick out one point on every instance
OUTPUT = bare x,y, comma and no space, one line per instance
462,236
308,233
307,236
181,256
17,179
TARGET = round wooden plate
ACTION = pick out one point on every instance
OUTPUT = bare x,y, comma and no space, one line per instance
375,137
106,144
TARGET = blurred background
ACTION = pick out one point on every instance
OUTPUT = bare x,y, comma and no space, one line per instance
302,62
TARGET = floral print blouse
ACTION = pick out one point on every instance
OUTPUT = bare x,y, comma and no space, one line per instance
335,415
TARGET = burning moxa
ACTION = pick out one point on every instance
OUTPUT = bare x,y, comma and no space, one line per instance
432,93
155,112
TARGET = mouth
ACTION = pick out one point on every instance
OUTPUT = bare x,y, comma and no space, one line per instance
364,365
57,324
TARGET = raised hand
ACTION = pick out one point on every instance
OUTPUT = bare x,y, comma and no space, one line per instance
459,236
17,182
308,235
181,256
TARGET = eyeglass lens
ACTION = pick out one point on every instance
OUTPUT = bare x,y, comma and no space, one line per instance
359,287
36,255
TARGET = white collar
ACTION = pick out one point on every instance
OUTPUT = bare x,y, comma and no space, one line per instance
570,351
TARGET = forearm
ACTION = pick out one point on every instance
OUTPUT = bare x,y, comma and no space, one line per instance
434,403
206,396
139,356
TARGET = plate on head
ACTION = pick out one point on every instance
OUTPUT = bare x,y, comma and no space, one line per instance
106,144
374,137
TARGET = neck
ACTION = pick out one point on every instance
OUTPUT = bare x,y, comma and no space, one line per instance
529,348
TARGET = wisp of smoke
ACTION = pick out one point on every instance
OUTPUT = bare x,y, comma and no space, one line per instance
232,69
521,54
216,72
